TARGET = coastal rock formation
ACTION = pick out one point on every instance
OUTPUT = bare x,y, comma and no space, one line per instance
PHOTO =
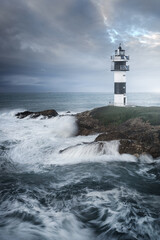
46,114
88,125
136,137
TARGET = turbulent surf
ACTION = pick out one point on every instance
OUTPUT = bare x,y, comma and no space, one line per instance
56,185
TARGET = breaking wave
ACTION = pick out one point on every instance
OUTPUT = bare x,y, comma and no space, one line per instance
56,185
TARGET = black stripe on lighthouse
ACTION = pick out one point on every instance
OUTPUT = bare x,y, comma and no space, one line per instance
119,88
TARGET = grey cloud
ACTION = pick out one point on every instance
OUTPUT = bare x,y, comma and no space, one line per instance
65,45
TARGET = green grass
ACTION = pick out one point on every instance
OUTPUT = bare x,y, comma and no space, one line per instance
117,115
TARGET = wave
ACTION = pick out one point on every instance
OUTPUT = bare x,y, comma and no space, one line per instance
120,214
92,149
47,225
38,143
56,185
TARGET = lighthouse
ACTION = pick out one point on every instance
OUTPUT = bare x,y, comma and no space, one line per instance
119,67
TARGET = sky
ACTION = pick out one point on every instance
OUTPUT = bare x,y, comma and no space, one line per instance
65,45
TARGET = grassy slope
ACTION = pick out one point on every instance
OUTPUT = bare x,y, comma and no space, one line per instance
117,115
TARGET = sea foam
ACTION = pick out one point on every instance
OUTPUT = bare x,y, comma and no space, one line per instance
38,142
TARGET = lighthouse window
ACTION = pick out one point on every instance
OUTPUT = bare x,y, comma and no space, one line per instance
119,88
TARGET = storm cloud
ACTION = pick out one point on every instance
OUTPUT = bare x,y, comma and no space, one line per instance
56,45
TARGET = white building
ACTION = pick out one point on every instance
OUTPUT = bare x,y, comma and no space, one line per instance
119,66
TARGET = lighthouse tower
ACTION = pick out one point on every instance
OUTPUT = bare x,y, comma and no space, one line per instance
119,66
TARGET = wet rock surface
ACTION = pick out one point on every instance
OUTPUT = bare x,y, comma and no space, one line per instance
47,114
136,137
88,125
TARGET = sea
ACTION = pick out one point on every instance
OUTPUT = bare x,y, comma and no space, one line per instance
83,193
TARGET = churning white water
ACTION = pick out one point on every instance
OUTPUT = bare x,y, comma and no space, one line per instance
42,141
56,185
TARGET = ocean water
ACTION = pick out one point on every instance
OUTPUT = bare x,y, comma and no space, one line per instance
76,102
81,193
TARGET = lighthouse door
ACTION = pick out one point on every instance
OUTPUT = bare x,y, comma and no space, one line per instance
124,101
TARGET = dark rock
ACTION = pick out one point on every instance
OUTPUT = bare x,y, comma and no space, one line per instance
46,114
136,137
131,147
154,150
137,148
23,114
88,125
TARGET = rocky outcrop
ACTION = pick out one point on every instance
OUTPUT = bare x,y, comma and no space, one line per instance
88,125
131,147
45,114
136,137
136,148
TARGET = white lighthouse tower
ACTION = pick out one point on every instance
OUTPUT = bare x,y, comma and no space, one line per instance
119,66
